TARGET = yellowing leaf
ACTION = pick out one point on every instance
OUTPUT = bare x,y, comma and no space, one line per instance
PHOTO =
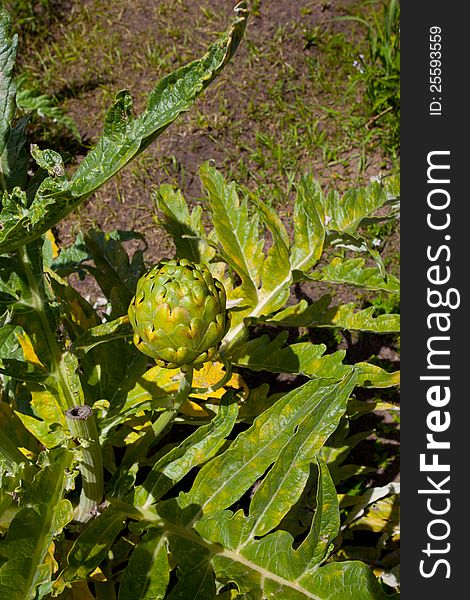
48,424
28,350
50,559
191,409
137,432
381,516
54,246
98,575
26,452
210,374
79,317
46,407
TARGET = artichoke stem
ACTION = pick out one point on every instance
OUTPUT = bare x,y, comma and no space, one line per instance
82,426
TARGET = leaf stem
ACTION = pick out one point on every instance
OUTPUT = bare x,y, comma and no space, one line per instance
37,303
83,428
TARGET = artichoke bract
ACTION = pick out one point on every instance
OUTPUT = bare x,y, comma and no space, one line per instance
178,314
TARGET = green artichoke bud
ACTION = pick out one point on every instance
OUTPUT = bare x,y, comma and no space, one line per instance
178,314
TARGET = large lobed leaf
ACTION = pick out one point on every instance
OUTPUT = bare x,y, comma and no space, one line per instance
213,544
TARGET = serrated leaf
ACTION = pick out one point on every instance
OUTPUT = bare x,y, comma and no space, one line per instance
237,230
185,228
124,137
282,486
301,358
345,213
353,272
276,275
209,543
309,224
326,522
370,375
227,477
343,316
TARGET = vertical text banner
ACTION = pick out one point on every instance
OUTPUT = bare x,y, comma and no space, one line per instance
435,269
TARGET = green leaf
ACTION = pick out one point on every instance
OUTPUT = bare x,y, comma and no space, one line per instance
343,316
115,274
237,231
70,259
265,279
271,567
284,483
309,225
197,448
124,137
8,45
33,529
17,357
112,330
48,424
195,573
185,228
345,213
326,522
210,544
13,437
31,100
353,272
147,574
13,288
222,481
91,547
263,354
370,375
276,274
14,161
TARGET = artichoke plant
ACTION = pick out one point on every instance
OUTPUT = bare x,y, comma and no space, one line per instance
178,314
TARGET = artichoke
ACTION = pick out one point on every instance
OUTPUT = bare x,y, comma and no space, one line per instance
178,314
